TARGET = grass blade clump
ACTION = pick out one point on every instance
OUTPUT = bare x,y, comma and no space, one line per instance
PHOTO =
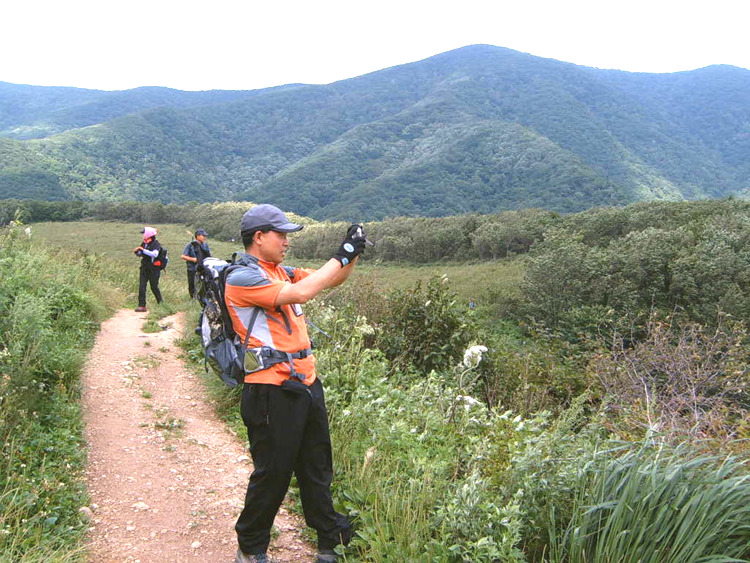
660,505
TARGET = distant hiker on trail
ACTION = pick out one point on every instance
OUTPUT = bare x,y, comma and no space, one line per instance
149,252
195,251
283,403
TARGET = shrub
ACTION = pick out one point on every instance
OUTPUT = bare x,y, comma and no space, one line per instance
681,379
530,374
424,329
698,264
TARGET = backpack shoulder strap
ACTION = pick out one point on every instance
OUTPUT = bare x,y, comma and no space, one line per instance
227,319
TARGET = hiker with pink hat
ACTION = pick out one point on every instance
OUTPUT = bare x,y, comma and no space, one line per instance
150,253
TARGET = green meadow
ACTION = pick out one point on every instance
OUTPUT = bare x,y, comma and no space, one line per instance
114,243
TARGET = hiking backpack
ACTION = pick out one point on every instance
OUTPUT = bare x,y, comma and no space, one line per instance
223,352
161,259
226,355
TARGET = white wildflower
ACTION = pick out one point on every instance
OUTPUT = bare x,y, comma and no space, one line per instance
364,328
27,230
473,356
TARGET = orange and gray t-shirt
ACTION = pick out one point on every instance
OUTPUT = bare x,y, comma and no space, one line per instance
280,327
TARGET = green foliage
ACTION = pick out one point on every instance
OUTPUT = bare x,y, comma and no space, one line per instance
695,262
33,184
493,532
537,459
48,316
532,372
40,211
424,328
430,473
42,484
423,240
396,448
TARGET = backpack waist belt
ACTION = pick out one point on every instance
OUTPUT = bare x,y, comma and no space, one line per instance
258,359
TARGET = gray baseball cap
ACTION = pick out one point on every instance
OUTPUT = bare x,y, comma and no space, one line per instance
201,232
266,216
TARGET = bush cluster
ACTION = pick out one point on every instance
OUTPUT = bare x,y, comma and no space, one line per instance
422,240
696,269
35,211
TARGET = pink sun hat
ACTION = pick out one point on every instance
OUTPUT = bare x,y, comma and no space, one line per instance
148,232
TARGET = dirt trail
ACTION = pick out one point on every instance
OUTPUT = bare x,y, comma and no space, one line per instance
167,479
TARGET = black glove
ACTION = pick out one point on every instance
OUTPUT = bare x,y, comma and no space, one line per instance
353,245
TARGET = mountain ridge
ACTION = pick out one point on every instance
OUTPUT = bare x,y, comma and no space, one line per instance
477,129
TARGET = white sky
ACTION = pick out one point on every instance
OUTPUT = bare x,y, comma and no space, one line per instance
243,45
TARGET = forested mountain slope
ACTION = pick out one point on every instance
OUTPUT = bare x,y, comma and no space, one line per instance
31,112
478,129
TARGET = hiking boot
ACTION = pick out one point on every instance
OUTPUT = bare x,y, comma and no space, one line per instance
257,558
326,556
141,310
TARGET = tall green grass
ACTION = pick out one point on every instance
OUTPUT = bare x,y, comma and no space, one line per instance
659,504
50,307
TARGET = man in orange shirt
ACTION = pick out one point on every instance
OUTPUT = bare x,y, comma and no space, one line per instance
283,404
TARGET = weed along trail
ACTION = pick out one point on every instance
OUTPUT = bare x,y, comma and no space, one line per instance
166,477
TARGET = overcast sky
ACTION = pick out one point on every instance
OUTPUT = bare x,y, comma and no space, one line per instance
243,45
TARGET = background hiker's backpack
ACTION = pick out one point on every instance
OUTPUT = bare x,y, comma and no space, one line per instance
223,352
161,259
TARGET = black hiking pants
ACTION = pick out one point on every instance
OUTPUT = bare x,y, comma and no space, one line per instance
191,283
288,432
149,276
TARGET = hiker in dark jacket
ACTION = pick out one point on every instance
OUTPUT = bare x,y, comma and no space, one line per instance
194,253
150,272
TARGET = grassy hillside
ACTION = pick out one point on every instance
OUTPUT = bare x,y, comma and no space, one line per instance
479,129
